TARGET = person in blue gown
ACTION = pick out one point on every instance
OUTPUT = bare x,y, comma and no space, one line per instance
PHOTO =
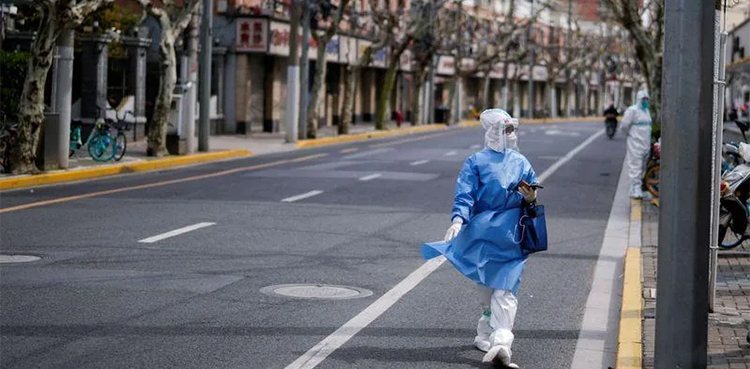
483,243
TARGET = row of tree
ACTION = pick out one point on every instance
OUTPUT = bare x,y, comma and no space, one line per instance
58,16
448,27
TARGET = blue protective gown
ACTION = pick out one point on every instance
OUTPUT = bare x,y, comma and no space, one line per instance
488,250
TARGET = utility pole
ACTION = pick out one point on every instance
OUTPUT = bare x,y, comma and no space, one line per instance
292,76
304,71
682,280
530,42
192,92
205,75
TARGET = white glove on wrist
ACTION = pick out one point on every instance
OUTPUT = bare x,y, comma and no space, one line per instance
454,229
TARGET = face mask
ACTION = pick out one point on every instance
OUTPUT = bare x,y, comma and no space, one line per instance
644,104
511,141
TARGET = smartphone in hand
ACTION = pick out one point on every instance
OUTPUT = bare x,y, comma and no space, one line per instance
526,185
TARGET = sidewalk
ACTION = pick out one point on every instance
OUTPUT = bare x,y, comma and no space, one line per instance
727,326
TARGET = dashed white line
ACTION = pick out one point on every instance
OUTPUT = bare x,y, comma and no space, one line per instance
474,147
176,232
371,177
302,196
419,162
451,153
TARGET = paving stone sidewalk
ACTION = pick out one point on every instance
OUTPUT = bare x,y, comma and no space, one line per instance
728,325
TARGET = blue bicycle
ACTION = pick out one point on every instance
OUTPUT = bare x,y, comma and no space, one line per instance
107,140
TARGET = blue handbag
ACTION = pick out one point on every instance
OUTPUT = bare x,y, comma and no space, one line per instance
533,227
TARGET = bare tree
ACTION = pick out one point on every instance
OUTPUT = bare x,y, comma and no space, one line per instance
648,40
172,20
378,30
56,16
323,39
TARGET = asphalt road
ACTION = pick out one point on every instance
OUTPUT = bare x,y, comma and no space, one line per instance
99,298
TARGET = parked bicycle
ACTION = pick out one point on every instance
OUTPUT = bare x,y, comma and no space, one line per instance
107,140
7,133
651,179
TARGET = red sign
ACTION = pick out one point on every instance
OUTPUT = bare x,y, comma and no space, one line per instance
252,35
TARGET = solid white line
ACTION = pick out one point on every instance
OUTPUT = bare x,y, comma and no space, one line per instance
370,177
176,232
328,345
554,167
451,153
302,196
419,162
319,352
597,347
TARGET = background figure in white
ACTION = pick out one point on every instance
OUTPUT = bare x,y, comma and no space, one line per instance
636,123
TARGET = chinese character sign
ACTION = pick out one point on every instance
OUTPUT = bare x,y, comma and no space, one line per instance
252,35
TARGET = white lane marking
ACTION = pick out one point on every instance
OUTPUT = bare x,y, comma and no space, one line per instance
419,162
554,167
451,153
302,196
176,232
327,346
371,177
474,147
598,348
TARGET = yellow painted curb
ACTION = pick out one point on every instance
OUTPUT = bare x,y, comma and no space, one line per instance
108,170
316,142
635,210
630,338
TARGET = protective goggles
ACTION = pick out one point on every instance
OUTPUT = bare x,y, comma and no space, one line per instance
509,125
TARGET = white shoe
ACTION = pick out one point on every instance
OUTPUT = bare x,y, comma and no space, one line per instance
499,355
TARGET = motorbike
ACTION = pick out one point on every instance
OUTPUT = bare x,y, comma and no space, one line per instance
610,124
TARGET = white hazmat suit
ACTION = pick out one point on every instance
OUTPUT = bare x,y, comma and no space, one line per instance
636,123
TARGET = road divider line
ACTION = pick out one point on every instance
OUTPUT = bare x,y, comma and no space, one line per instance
349,150
370,177
451,153
328,345
159,184
176,232
407,140
554,167
419,162
302,196
319,352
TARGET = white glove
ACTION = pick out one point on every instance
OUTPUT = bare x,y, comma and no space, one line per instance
529,194
454,229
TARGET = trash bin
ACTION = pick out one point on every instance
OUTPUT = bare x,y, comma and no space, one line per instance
176,144
441,114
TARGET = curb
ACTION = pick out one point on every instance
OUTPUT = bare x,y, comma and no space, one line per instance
326,141
109,170
630,336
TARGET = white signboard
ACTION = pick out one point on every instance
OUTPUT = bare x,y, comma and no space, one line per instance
446,65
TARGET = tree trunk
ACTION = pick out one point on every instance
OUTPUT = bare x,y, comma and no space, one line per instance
548,96
484,89
22,154
381,109
157,134
349,94
321,66
416,104
455,80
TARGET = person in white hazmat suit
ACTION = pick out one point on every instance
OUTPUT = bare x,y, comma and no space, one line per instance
636,123
490,196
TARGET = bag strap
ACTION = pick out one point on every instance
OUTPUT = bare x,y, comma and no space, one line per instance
523,230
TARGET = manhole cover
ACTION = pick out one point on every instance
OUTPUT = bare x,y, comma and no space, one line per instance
316,291
18,258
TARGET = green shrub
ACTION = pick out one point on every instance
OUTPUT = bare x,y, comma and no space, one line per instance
14,66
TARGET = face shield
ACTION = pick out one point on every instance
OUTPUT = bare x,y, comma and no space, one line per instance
500,130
